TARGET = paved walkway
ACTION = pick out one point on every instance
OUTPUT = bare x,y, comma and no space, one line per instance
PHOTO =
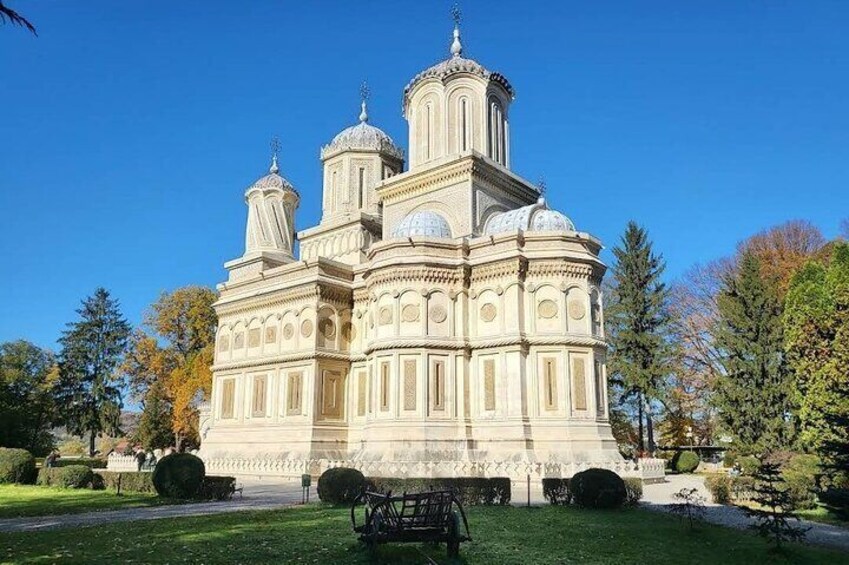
659,497
256,495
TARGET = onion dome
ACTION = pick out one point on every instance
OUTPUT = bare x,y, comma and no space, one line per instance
362,137
536,217
425,223
456,64
273,180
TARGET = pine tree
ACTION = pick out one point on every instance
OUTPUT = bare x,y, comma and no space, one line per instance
88,391
637,320
773,511
753,393
155,423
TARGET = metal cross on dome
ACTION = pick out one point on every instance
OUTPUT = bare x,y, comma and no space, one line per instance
365,93
456,14
275,151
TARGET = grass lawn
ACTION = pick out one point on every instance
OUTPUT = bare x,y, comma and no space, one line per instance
23,500
321,534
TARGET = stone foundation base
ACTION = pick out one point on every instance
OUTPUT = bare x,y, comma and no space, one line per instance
647,469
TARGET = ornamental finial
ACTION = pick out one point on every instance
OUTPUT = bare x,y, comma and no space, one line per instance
456,46
275,150
364,95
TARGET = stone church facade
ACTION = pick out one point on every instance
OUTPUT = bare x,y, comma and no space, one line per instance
441,320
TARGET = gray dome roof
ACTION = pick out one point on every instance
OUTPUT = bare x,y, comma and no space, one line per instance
422,224
273,180
362,137
455,65
536,217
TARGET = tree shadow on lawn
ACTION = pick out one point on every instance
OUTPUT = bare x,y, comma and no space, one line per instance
32,501
321,534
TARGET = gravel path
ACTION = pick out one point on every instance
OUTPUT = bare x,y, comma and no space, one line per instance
659,497
255,496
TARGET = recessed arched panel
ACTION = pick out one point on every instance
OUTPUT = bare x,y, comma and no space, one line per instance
547,309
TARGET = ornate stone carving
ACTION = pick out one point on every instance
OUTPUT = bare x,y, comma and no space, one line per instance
577,309
409,384
288,331
547,309
327,328
489,384
438,313
488,312
579,378
348,332
239,341
410,313
384,316
306,328
223,343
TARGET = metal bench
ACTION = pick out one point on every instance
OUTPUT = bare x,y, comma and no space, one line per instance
420,517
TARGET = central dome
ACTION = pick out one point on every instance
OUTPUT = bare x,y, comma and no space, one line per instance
362,137
455,65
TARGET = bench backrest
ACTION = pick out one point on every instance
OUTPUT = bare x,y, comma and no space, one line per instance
411,511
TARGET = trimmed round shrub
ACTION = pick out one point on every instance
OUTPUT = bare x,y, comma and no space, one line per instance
598,488
16,466
340,485
179,475
685,461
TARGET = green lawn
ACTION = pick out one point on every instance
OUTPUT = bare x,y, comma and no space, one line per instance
20,500
320,534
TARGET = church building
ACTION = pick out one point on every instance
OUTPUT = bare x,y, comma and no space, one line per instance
440,320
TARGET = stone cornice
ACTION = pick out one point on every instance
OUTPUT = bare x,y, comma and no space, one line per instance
303,355
425,274
514,267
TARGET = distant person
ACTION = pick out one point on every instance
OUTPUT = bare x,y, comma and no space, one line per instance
141,456
50,460
151,459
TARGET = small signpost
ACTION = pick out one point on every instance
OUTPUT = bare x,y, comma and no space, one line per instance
306,481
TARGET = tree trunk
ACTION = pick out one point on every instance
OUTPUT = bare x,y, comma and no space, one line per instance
640,420
91,444
650,430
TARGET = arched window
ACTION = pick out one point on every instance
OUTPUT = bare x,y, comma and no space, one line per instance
595,313
428,131
464,125
361,187
495,126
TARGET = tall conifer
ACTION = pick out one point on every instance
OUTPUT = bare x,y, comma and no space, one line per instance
637,322
89,390
753,392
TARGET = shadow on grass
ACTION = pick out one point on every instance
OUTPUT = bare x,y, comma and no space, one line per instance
321,534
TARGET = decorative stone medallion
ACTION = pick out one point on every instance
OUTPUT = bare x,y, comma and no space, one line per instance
327,328
288,331
253,337
384,317
270,334
410,313
577,310
239,342
438,313
547,309
306,328
488,312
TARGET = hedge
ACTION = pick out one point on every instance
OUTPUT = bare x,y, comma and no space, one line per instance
217,488
70,476
633,490
16,466
556,491
91,462
470,491
130,481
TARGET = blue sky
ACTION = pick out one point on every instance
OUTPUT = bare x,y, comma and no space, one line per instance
130,129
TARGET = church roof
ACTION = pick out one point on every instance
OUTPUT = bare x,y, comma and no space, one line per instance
535,217
273,180
457,64
362,137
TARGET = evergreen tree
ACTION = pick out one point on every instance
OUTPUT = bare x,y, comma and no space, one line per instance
154,429
88,391
638,324
753,393
774,506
